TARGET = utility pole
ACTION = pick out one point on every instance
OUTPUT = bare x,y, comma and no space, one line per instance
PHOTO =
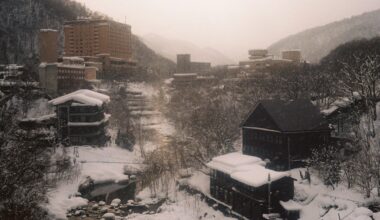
269,194
288,138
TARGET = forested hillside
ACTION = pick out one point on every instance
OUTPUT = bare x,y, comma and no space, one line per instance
317,42
20,21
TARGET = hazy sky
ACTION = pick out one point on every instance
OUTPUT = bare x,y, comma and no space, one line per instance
231,26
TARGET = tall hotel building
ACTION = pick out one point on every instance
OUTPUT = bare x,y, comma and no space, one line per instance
93,37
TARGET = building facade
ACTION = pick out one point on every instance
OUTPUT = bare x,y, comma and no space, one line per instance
67,76
260,61
109,67
81,118
284,132
92,37
242,182
185,65
48,45
293,55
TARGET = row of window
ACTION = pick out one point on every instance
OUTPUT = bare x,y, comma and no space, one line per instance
89,130
70,77
86,118
267,137
72,71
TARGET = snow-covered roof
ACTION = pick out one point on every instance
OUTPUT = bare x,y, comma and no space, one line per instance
83,96
256,175
342,102
184,74
291,50
246,169
330,110
71,66
291,205
230,162
48,30
73,58
39,119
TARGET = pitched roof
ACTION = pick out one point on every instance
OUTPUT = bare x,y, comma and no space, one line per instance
246,169
83,96
290,116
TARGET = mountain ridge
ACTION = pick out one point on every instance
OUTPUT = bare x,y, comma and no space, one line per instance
169,48
317,42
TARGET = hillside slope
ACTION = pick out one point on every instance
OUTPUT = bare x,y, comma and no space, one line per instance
21,20
317,42
169,48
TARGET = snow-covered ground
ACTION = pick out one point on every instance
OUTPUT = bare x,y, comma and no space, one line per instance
107,163
183,207
180,205
101,164
317,198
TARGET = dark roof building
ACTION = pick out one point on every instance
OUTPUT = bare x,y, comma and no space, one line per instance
284,132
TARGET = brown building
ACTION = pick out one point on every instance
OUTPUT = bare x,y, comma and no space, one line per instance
92,37
257,53
260,61
109,67
293,55
184,65
48,45
67,76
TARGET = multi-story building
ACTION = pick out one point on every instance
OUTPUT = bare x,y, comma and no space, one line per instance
48,45
69,75
184,79
11,71
258,53
184,65
293,55
81,117
260,61
109,67
87,37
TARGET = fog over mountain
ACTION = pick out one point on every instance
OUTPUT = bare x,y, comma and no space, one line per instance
315,43
169,48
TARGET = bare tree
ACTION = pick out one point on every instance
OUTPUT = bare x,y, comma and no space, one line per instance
362,76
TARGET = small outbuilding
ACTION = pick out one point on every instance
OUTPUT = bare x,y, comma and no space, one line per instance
242,182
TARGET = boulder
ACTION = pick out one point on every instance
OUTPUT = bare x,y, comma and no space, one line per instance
115,203
109,216
104,210
95,207
79,212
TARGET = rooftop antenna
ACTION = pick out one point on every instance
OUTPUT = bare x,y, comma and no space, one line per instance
125,21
